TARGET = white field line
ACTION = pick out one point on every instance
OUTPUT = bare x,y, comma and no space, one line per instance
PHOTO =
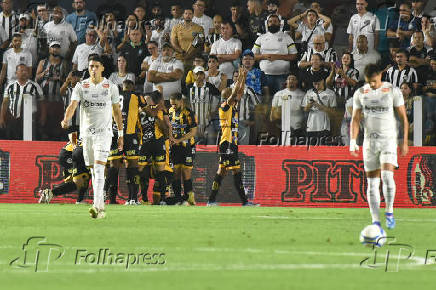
337,218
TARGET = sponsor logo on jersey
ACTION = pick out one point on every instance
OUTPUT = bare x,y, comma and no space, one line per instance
376,109
88,104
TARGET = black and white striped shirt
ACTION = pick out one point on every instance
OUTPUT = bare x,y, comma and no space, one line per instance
75,120
204,100
247,104
343,89
396,76
9,23
328,55
14,92
211,38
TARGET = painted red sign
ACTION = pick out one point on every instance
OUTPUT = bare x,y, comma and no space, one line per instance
272,175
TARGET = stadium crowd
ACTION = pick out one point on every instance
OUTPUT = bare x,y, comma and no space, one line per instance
302,67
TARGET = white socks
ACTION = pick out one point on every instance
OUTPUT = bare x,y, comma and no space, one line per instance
98,185
373,196
388,189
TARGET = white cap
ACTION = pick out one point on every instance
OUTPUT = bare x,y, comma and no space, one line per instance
198,69
55,42
24,15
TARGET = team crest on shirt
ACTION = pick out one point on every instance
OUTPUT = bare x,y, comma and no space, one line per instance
279,39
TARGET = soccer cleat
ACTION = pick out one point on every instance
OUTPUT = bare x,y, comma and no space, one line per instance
211,204
390,221
191,198
46,196
249,203
93,212
41,196
96,213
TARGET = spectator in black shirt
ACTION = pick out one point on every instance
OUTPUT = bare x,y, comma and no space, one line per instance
135,52
315,71
419,55
257,16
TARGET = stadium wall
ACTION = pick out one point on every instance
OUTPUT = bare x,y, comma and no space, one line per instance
273,175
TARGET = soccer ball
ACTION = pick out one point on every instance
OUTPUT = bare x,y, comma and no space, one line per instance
372,235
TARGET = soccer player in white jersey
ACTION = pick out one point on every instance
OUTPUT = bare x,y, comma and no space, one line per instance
99,100
377,101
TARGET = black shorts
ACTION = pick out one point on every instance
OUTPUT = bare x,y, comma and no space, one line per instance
182,156
229,156
130,148
66,161
152,151
79,166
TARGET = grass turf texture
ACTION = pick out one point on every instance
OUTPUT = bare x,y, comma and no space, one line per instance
214,248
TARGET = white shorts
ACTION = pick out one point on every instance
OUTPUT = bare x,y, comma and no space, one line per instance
377,152
96,148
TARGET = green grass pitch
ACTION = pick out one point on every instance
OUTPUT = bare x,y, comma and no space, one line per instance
211,248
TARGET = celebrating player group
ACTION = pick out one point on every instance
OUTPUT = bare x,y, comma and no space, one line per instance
139,133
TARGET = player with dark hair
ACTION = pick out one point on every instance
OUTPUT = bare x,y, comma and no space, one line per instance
377,101
99,101
129,103
182,148
155,126
228,145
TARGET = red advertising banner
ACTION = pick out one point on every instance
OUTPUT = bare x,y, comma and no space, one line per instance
272,175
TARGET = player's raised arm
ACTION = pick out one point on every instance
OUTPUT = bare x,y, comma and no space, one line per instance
69,112
238,90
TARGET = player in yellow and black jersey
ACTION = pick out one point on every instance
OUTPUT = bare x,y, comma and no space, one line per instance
129,102
76,174
156,128
228,145
182,153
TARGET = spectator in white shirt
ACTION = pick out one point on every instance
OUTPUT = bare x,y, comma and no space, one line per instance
202,19
286,107
275,50
91,46
60,30
146,63
29,41
227,49
319,102
166,73
363,23
309,24
14,56
119,76
176,13
363,56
